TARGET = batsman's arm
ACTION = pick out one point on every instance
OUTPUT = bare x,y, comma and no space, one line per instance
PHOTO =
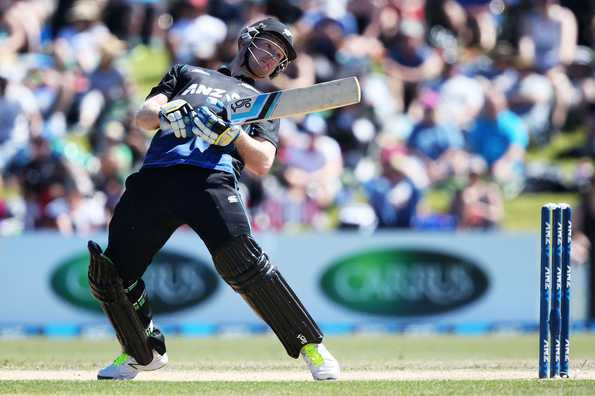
148,115
258,154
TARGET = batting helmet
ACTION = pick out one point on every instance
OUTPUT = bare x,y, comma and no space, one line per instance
275,27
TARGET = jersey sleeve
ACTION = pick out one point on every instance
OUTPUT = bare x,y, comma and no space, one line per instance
168,83
268,130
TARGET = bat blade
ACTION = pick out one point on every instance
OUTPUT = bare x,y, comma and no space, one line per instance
291,102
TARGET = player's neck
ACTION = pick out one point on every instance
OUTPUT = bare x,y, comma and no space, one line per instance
237,69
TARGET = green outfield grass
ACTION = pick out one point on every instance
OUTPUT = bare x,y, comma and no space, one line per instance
442,388
147,65
407,355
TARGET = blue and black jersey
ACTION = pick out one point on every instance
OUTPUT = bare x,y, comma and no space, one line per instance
195,85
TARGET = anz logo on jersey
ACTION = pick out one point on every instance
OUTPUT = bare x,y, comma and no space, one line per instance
217,93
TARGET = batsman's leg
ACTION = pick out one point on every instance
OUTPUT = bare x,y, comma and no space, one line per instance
244,266
138,230
139,351
218,216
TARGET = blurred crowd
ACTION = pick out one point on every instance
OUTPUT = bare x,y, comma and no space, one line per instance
454,93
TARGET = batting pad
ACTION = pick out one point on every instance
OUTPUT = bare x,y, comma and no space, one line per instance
106,287
244,266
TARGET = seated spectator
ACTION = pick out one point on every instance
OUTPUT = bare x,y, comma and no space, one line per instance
461,97
531,97
311,165
549,40
77,214
354,128
471,21
322,43
393,194
42,174
14,129
411,60
133,21
288,208
341,14
438,145
480,203
194,34
500,138
314,162
549,35
109,90
78,44
21,24
42,95
115,163
581,73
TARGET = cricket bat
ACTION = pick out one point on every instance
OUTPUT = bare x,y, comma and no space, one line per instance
291,102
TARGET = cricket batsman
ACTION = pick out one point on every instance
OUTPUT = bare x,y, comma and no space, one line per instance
190,176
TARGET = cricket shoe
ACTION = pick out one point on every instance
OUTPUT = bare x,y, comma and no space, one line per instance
125,367
321,363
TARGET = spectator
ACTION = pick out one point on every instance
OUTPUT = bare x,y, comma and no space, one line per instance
107,78
337,12
43,95
461,96
480,203
76,214
133,20
549,39
500,138
581,73
439,145
115,161
311,166
411,60
314,163
472,22
43,175
109,90
194,34
14,130
20,22
78,43
530,95
323,43
393,194
532,98
549,36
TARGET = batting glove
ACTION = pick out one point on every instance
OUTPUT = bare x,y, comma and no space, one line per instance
179,115
211,127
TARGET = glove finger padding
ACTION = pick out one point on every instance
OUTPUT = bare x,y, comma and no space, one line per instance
213,129
218,107
178,113
229,136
